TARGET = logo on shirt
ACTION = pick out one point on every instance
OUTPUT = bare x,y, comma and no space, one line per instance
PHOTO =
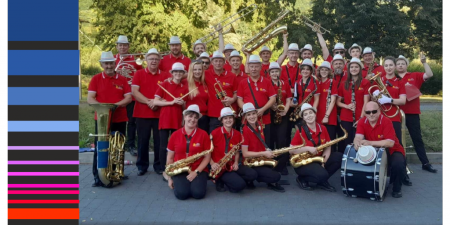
231,145
206,90
225,84
396,87
262,89
360,89
410,79
308,90
196,144
181,94
118,86
380,136
159,81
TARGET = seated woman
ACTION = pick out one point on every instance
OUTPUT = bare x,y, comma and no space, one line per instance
185,142
234,176
315,135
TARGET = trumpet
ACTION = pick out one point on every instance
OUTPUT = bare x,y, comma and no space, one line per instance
315,26
221,94
255,41
213,35
383,91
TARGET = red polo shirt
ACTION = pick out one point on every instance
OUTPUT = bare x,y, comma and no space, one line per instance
340,79
290,74
201,99
262,89
265,71
383,130
171,115
285,90
219,142
146,81
111,90
251,140
360,92
395,89
321,131
199,142
228,67
168,60
416,79
228,81
308,89
324,88
241,76
376,68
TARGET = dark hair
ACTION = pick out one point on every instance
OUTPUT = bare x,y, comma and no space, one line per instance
394,61
349,77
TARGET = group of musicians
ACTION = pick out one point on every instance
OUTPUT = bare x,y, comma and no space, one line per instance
216,102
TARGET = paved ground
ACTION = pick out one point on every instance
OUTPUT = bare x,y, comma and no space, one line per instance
148,200
431,106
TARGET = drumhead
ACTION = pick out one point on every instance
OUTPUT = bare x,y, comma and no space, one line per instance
383,173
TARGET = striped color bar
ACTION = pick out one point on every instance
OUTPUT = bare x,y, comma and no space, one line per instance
43,98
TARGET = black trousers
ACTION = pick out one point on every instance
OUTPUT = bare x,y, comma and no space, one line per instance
278,132
203,123
145,128
121,127
290,126
266,132
236,180
398,131
266,174
183,188
348,126
332,132
282,162
164,135
413,125
397,166
314,172
214,123
131,126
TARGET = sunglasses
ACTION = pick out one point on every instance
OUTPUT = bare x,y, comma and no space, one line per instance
371,112
206,63
339,52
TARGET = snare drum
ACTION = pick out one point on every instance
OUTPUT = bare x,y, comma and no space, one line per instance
364,180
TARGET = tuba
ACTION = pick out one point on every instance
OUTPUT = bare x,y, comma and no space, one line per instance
305,158
383,91
109,147
223,163
184,165
263,161
254,43
280,106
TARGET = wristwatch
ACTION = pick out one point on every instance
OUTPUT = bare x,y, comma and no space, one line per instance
392,100
198,172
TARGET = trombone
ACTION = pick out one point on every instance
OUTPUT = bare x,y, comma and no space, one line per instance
213,35
315,26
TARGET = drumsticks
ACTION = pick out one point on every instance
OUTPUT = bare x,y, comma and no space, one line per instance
174,96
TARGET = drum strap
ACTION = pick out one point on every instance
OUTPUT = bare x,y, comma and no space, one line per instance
258,135
309,136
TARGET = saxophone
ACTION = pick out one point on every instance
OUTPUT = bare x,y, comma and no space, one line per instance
295,114
184,165
263,161
280,106
305,158
223,163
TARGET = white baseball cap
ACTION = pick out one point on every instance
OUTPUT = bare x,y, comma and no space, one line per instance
218,54
178,67
248,107
306,106
107,57
355,60
122,40
229,47
254,59
226,111
193,108
264,49
337,57
234,53
174,40
306,47
152,51
354,46
293,47
339,46
325,64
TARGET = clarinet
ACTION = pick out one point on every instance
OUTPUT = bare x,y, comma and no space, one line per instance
329,95
354,103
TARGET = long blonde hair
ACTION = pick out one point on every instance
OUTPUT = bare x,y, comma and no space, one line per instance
191,80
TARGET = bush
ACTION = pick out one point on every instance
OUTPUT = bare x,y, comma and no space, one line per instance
434,85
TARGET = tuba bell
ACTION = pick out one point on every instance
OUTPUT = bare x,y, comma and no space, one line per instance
383,91
109,147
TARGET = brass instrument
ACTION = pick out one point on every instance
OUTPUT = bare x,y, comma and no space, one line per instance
213,35
315,26
110,152
403,119
263,161
221,94
305,158
295,114
126,68
280,106
224,161
256,42
370,68
383,91
184,165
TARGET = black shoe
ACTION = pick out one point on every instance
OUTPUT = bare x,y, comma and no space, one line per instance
250,185
284,182
397,194
276,187
159,172
303,184
96,184
285,171
133,151
125,177
220,186
140,173
428,167
326,186
406,181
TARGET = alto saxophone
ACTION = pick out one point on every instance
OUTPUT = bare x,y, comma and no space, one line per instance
295,114
263,161
223,163
306,158
184,165
280,106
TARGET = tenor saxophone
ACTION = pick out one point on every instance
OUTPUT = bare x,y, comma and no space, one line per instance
184,165
223,163
280,106
263,161
306,158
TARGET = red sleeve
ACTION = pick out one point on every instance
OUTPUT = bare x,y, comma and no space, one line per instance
171,145
329,58
325,133
136,79
235,84
296,140
126,86
240,90
419,78
401,86
388,129
245,133
93,84
360,127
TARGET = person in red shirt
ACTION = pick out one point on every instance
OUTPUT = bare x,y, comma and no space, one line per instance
227,80
338,49
259,91
146,112
369,57
338,66
112,88
185,142
352,97
315,135
236,61
412,106
199,95
306,85
227,52
254,145
127,66
326,111
266,54
376,130
206,62
170,118
174,56
234,176
198,48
